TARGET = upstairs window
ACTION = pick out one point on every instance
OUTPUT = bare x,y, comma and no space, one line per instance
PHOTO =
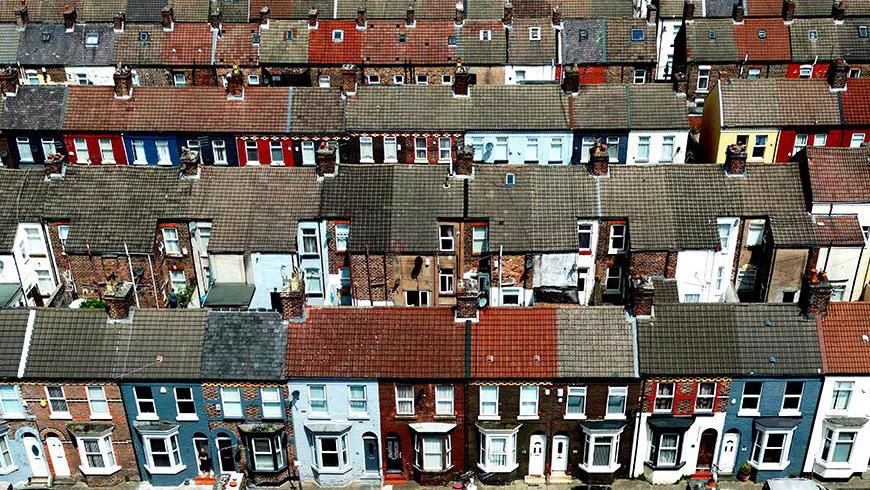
309,241
616,397
485,35
751,396
664,397
184,404
57,402
446,240
489,401
171,241
806,71
342,233
863,33
480,239
444,400
231,403
534,33
357,400
617,238
791,399
92,39
318,401
706,397
842,395
404,400
637,34
575,404
271,403
145,403
528,401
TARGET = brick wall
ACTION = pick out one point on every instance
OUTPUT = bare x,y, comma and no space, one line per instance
605,260
162,77
686,391
372,277
386,73
625,74
653,263
165,262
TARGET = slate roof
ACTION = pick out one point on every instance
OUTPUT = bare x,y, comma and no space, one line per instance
503,107
276,48
839,174
244,345
607,41
831,40
473,50
770,103
839,230
232,10
19,113
145,10
9,39
13,324
174,334
393,342
100,10
391,43
822,8
748,339
66,49
596,8
591,48
843,335
514,344
595,342
522,50
60,339
628,106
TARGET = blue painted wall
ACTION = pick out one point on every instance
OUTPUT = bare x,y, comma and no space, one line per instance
576,157
151,147
268,272
166,411
207,151
22,466
35,144
339,412
772,391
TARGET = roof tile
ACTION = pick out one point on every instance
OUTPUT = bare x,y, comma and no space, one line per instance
844,335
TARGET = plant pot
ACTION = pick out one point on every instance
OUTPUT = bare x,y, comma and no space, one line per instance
743,476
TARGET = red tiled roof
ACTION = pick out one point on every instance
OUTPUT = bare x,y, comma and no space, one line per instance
187,44
514,343
389,342
278,9
856,102
776,44
845,336
764,8
841,230
425,43
839,174
322,49
235,45
199,108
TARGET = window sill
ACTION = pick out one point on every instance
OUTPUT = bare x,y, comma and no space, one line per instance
331,471
101,417
99,471
7,470
445,417
174,255
366,160
148,417
620,416
790,413
748,413
278,164
669,411
187,418
445,161
60,416
15,416
173,470
664,467
769,466
390,160
527,417
406,416
358,417
833,466
599,469
433,472
488,417
578,416
505,469
318,416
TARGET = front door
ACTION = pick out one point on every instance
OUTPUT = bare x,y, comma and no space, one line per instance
537,449
394,455
35,456
706,448
58,456
559,463
728,456
370,445
226,457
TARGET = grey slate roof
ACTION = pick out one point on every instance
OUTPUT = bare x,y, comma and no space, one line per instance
505,107
66,49
9,39
711,39
473,50
749,339
831,40
176,335
21,110
595,342
607,41
315,110
72,343
145,10
628,106
249,345
13,324
770,103
591,47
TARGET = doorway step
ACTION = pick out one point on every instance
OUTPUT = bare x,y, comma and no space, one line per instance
559,479
535,480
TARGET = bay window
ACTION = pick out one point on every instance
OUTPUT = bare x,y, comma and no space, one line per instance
600,451
330,452
488,402
432,452
528,402
838,446
162,453
770,449
96,454
668,450
498,450
267,452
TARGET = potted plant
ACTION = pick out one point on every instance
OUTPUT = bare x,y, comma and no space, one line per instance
744,471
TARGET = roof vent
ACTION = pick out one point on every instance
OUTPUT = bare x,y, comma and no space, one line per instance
510,179
772,359
490,358
768,323
144,37
711,34
762,34
865,337
46,37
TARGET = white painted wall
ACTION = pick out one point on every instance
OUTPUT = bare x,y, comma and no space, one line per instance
655,148
316,261
97,75
841,263
228,268
859,406
529,74
486,146
667,33
8,273
697,271
859,266
32,258
689,454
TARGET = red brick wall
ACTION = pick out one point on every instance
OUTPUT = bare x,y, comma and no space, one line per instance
379,286
686,391
653,263
164,263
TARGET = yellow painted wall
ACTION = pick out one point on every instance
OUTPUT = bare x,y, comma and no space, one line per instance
729,137
710,127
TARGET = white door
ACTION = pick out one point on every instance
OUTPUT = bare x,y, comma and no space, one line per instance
35,457
537,450
58,456
729,452
559,463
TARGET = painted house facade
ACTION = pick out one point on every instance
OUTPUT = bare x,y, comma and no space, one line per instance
31,135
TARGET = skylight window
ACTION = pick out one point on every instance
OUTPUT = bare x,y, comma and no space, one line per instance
637,34
452,41
290,35
485,35
92,39
534,33
584,34
762,34
144,37
46,37
403,38
862,32
255,39
711,34
337,36
813,35
510,180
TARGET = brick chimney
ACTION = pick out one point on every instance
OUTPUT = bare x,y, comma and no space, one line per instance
599,160
652,14
264,17
410,17
214,19
735,160
312,19
236,83
349,80
167,18
118,21
22,17
643,296
119,299
556,17
324,160
815,294
467,303
9,81
788,9
738,14
123,78
838,11
54,164
459,13
689,11
508,18
361,22
69,17
189,163
571,80
838,75
464,166
461,81
680,84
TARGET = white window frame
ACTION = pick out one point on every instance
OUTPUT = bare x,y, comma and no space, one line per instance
488,409
219,151
421,153
820,139
857,139
508,457
231,397
253,79
398,79
104,450
444,403
614,274
10,397
671,449
337,35
373,79
507,292
575,392
341,453
760,447
251,146
351,399
179,79
107,153
319,406
534,33
270,403
25,153
586,145
644,145
479,239
854,73
391,150
7,464
173,452
309,241
275,145
404,399
757,145
668,145
592,441
792,397
446,281
745,280
445,458
187,416
33,240
832,437
639,76
617,231
421,296
667,399
711,397
44,282
80,145
172,244
616,392
138,149
366,149
445,154
753,74
485,35
805,72
342,235
323,81
177,281
313,281
422,79
309,153
801,141
555,152
744,397
755,233
57,414
96,400
842,395
529,397
274,451
703,84
446,238
724,229
48,147
145,415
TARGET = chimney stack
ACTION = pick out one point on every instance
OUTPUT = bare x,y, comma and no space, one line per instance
118,21
9,81
189,162
556,17
167,18
464,166
508,18
467,303
54,164
689,11
119,299
652,14
410,17
312,19
349,80
69,17
214,19
838,75
738,14
264,17
838,11
459,13
123,78
293,297
735,160
324,160
22,17
461,81
788,9
643,296
361,22
235,83
815,294
599,160
680,83
571,80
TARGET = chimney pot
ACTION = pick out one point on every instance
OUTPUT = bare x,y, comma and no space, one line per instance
689,11
508,17
461,81
788,9
571,80
467,303
264,16
119,299
123,79
410,17
214,19
599,160
54,164
189,162
643,296
556,17
236,83
815,294
838,11
459,13
361,17
349,80
838,75
69,17
292,303
22,17
738,13
312,18
735,160
464,161
167,18
324,159
9,81
118,21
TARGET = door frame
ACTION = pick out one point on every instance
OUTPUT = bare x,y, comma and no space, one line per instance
725,437
555,443
400,459
712,436
220,465
51,456
366,438
27,440
543,457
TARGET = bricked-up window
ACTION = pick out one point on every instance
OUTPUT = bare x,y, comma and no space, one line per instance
184,404
404,400
5,454
421,152
751,396
170,240
529,401
271,403
98,403
445,281
575,404
664,397
838,445
57,402
390,150
219,151
616,396
617,238
231,403
444,400
145,403
432,452
489,402
366,149
479,239
791,399
706,397
842,395
358,401
342,233
97,455
317,399
268,454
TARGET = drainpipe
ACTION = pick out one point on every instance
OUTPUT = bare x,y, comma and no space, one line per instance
500,251
153,280
132,278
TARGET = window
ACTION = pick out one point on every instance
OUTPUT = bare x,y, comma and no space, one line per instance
48,147
800,142
613,149
308,153
529,401
667,149
746,278
398,79
643,149
498,450
184,405
751,396
720,277
421,153
163,454
444,400
180,79
639,76
724,235
586,145
337,36
446,79
416,298
145,403
445,281
231,403
139,157
600,453
791,400
57,402
617,238
755,236
575,403
34,240
820,139
838,445
510,179
854,73
444,155
81,148
703,79
842,395
323,81
357,400
762,34
489,402
312,281
404,400
10,403
98,403
857,139
276,153
219,150
613,282
342,233
863,32
271,401
446,238
317,399
584,236
178,281
268,453
754,73
637,34
485,35
555,154
24,152
668,449
331,452
251,154
805,72
366,149
82,79
422,79
6,464
770,449
706,397
106,153
664,397
760,146
373,79
170,240
97,454
511,297
432,452
583,34
32,78
253,79
479,239
616,397
309,241
43,279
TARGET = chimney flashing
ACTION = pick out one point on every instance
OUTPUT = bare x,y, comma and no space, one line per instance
235,84
118,21
264,17
361,21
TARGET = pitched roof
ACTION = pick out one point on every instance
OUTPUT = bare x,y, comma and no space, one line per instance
845,338
514,343
9,39
762,40
628,106
145,10
610,40
595,8
523,50
141,45
744,339
60,339
323,49
244,345
839,174
584,41
535,107
392,43
393,342
13,324
770,102
839,230
275,47
822,8
856,102
50,102
315,110
711,40
621,43
189,45
824,40
235,45
22,193
175,336
474,50
595,342
66,48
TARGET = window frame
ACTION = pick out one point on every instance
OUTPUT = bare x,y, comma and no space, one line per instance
145,415
106,452
609,278
525,393
674,449
48,146
442,148
137,146
171,245
616,391
275,145
23,145
172,451
391,149
421,294
831,439
668,141
7,463
179,415
351,399
622,235
95,415
219,152
446,281
575,392
272,408
83,154
842,387
756,146
227,401
341,453
750,396
704,73
483,412
639,76
441,399
444,453
509,452
667,398
535,33
786,396
317,412
644,142
587,459
57,414
853,143
342,235
448,238
402,398
479,245
706,396
366,149
421,153
760,447
251,149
